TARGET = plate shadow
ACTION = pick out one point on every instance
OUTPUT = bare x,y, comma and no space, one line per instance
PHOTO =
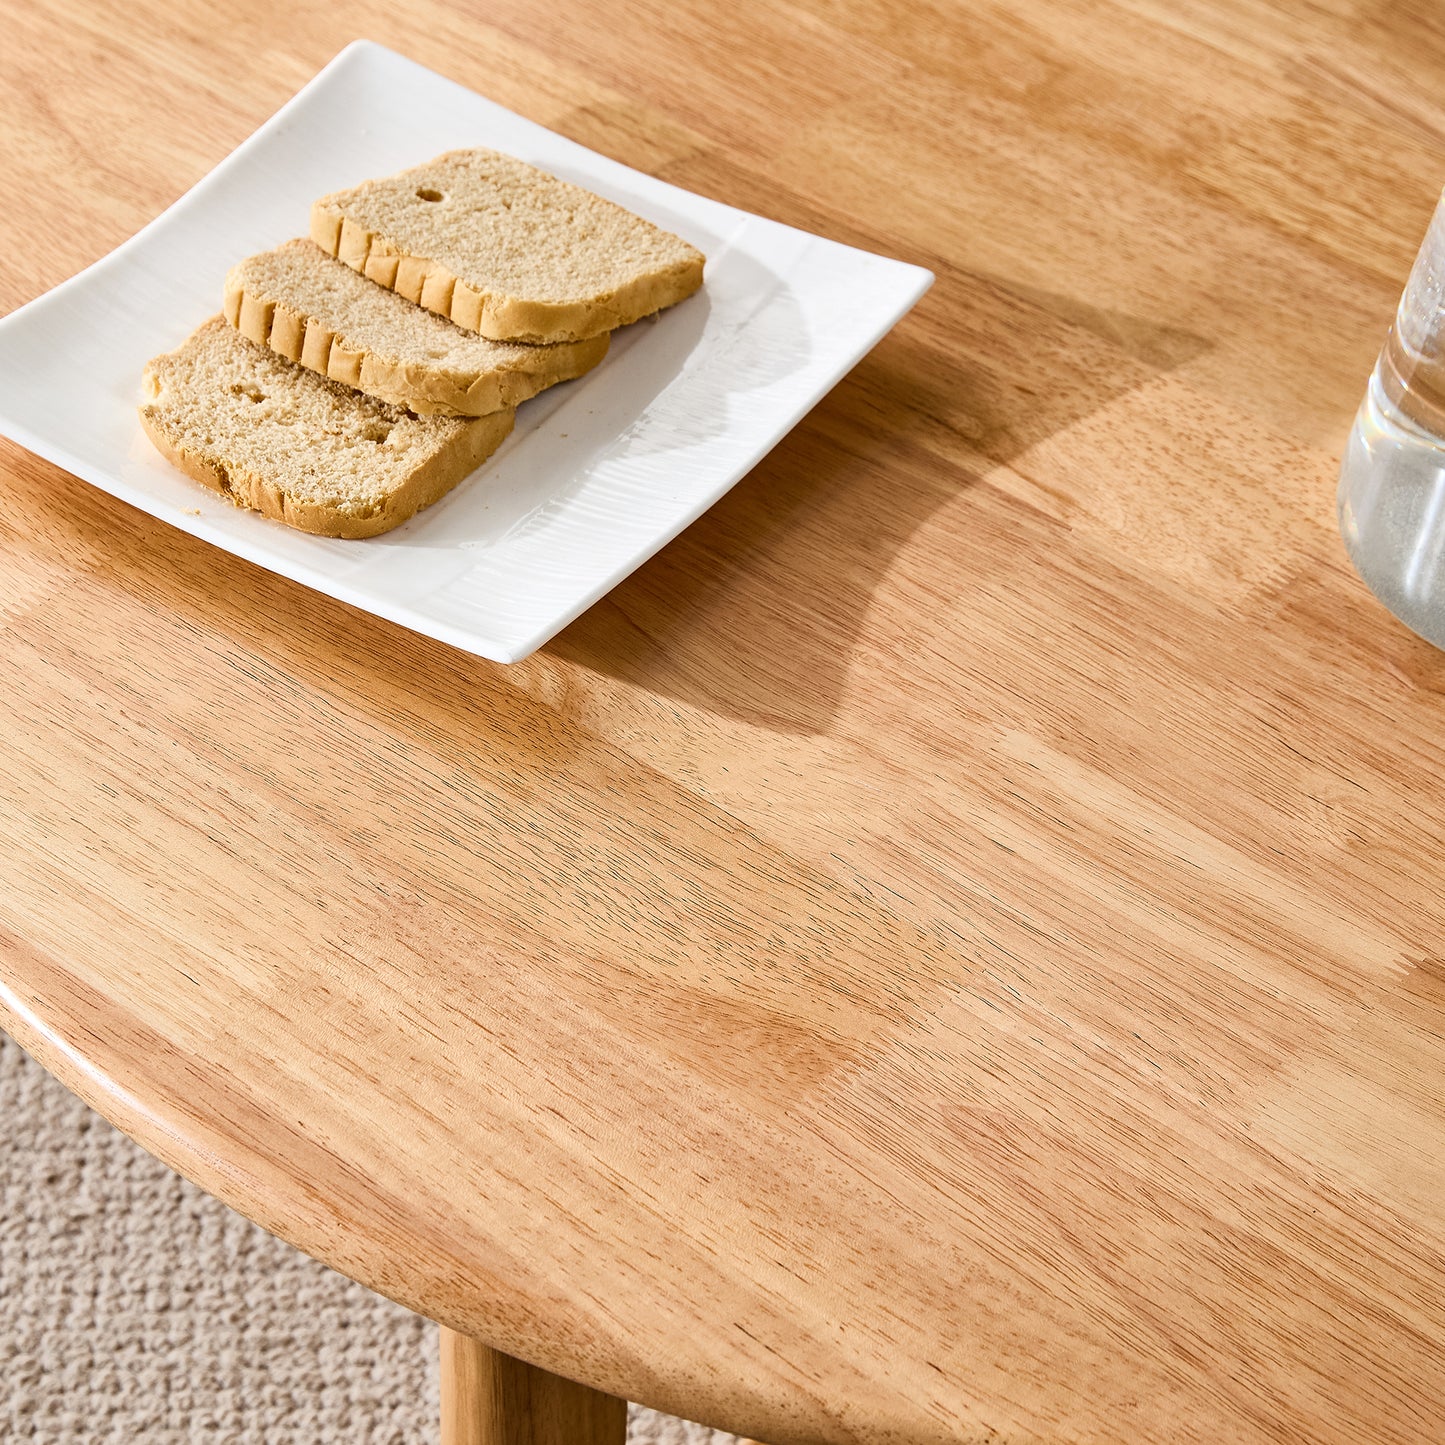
757,610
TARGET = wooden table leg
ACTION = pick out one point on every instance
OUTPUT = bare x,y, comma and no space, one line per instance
488,1398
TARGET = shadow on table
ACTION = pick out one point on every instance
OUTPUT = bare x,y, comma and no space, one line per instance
757,610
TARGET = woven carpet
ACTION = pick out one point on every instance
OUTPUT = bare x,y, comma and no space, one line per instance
135,1308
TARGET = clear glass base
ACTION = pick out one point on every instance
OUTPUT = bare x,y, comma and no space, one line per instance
1392,511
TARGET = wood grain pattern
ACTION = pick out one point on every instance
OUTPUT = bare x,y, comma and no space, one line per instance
951,949
490,1399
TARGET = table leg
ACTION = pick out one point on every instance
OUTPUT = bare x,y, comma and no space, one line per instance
488,1398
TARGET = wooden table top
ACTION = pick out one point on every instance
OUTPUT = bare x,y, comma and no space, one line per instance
951,949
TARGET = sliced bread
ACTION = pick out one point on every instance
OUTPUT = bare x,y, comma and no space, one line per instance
277,438
311,308
505,249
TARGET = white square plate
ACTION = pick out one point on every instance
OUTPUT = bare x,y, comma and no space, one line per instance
598,474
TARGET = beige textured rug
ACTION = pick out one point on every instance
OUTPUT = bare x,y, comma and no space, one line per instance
134,1308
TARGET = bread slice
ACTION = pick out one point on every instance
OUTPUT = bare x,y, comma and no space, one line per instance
505,249
279,439
311,308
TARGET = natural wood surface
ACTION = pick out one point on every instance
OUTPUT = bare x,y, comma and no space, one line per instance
950,950
488,1398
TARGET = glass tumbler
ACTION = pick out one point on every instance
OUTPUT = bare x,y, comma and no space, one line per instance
1392,479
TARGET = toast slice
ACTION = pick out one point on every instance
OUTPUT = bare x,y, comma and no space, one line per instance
312,309
277,438
505,249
